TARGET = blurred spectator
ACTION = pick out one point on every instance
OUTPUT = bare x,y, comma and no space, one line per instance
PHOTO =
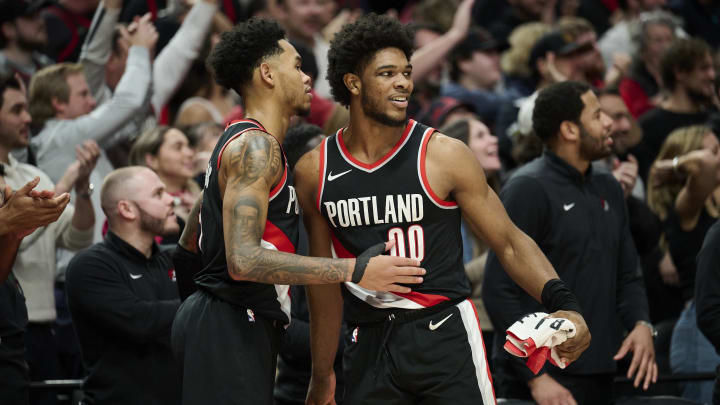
475,74
616,42
303,20
299,140
577,216
625,134
515,61
35,267
21,212
104,60
64,112
324,112
521,12
684,191
702,18
68,23
707,294
444,110
641,88
123,296
22,37
203,138
167,152
431,49
589,62
689,78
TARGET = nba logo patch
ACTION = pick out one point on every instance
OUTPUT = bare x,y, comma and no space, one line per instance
354,335
251,315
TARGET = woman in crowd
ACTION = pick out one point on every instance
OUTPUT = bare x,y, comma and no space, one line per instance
167,151
684,191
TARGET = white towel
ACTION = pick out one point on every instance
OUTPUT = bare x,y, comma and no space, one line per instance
535,336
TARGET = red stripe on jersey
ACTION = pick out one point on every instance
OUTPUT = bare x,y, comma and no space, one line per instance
274,192
426,300
348,156
321,178
274,235
487,365
340,250
423,174
248,120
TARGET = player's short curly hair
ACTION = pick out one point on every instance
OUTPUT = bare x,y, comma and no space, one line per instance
233,60
353,47
557,103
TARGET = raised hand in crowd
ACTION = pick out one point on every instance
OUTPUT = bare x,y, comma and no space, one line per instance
78,173
626,173
141,32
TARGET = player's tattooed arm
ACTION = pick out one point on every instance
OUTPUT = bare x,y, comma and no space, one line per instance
251,165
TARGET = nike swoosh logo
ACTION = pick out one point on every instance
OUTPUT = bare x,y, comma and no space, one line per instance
135,276
331,177
568,207
434,326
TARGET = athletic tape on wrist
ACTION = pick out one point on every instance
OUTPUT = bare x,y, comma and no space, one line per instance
557,297
363,259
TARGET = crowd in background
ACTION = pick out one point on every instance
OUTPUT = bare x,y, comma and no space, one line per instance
92,86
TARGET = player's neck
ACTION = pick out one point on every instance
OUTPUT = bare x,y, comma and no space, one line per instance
139,239
368,140
274,119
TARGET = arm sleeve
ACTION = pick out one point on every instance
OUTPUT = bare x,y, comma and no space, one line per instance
96,50
99,292
127,101
632,304
526,205
69,237
174,61
707,287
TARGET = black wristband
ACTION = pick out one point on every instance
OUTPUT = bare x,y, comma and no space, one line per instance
363,259
557,297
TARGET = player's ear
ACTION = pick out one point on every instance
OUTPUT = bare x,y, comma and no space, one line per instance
266,74
569,131
352,82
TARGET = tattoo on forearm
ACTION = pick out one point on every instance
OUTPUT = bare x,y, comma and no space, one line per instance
257,157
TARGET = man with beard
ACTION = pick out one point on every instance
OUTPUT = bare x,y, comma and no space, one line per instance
123,296
22,37
226,335
577,216
388,177
688,75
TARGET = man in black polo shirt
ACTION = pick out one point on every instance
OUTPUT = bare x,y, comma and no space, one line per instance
123,295
578,218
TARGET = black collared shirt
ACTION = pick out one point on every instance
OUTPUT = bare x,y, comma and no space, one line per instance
123,305
580,222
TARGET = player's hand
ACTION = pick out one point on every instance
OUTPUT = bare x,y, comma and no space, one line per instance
546,391
640,342
572,348
386,273
321,390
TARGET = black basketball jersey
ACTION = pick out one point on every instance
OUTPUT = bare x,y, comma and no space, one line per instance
365,204
281,233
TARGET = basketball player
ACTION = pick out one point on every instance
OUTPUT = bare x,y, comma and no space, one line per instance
226,334
388,177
